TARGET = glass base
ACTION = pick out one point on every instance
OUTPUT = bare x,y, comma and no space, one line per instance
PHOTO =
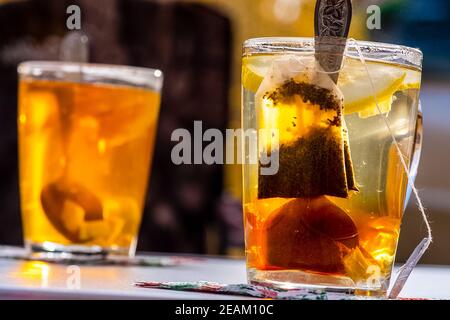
61,252
297,279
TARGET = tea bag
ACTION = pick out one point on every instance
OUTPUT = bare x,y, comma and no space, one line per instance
69,206
312,234
299,99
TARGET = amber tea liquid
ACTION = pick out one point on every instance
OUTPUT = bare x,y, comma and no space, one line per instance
85,155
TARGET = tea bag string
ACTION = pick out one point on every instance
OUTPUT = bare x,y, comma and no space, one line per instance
74,47
405,271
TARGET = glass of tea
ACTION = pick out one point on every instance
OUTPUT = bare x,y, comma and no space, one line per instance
329,217
86,137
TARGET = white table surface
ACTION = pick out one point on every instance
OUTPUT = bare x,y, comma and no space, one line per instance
39,280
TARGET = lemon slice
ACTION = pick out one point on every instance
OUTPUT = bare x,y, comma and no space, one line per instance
254,68
359,95
412,80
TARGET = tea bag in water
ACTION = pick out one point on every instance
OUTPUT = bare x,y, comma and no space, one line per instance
312,234
299,99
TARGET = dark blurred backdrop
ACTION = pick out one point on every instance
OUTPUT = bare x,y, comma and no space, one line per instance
191,43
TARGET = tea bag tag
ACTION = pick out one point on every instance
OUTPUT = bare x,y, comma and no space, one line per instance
405,271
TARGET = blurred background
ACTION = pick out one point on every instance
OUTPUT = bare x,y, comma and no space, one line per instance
197,44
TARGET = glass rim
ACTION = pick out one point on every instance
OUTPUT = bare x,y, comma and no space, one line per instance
81,72
372,50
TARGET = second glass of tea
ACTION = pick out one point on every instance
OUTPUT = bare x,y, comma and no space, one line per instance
330,217
86,136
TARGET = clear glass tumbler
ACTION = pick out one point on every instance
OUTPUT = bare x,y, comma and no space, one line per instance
330,217
86,136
